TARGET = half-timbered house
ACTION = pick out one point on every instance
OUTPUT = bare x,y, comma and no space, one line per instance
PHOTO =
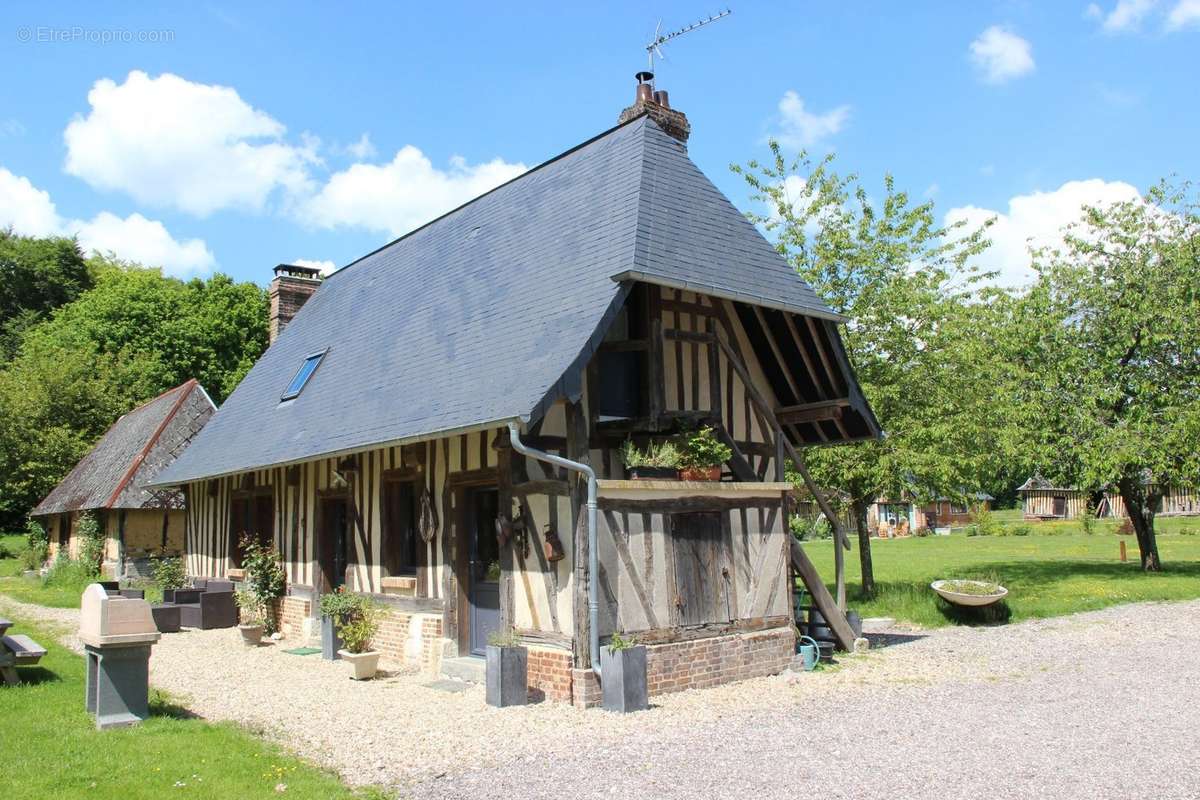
111,483
420,429
1042,500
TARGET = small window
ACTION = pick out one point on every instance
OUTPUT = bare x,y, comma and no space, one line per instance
306,370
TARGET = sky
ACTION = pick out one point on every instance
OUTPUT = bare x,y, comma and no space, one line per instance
230,137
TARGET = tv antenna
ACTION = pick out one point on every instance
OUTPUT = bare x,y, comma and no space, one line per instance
654,48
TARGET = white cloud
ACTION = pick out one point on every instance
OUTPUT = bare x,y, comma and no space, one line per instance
169,142
1126,15
1035,220
362,149
25,208
29,211
326,267
800,127
1001,55
402,194
1185,14
145,241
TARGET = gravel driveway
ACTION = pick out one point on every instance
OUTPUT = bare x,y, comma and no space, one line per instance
1096,705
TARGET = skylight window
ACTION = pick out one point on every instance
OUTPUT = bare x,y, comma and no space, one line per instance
306,371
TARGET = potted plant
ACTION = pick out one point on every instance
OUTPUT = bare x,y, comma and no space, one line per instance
702,455
336,608
251,624
623,675
264,578
507,669
656,462
357,631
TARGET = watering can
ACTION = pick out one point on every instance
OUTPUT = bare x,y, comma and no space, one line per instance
809,653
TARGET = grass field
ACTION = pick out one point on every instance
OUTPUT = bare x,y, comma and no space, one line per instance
52,749
1055,570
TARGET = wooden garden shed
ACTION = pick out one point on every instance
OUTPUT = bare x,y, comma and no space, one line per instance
392,439
110,482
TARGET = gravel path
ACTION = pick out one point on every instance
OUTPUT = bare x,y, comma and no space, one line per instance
1096,705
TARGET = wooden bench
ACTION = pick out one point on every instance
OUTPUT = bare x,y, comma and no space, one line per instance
18,650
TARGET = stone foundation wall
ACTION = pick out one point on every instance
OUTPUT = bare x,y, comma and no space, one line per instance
291,613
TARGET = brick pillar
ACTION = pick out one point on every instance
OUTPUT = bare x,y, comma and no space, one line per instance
290,289
585,688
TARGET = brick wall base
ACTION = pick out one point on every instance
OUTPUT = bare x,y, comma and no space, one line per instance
676,666
410,639
550,674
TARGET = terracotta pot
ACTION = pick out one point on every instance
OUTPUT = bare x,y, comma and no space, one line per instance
363,666
251,634
700,474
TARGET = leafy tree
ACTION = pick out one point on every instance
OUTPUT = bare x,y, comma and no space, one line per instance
918,336
36,277
1107,348
132,336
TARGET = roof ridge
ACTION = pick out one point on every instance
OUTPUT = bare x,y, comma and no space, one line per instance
187,387
494,189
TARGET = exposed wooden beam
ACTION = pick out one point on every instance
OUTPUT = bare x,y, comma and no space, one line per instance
779,359
687,336
812,412
808,362
738,463
688,308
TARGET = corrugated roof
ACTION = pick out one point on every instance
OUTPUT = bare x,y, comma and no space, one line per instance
133,451
488,313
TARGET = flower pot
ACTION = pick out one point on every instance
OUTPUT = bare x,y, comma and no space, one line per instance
700,474
651,473
362,665
331,643
506,676
623,679
251,634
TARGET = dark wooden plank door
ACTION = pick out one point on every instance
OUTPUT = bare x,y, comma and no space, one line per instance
483,569
697,542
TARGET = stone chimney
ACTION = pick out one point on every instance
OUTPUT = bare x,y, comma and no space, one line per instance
292,287
658,106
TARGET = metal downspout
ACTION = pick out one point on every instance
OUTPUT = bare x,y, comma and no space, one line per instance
514,435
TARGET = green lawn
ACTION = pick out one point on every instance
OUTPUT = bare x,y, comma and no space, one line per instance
1046,575
51,748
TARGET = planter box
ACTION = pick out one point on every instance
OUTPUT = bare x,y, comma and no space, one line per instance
652,473
700,474
505,680
331,643
623,679
363,666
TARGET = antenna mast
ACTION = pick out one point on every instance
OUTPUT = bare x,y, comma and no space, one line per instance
654,48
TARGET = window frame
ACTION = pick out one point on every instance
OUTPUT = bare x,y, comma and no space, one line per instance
316,359
413,484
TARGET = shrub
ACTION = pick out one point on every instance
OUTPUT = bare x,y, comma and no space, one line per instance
358,631
91,542
168,572
339,604
1087,520
986,524
265,578
37,546
807,529
68,573
664,454
702,449
1020,530
253,611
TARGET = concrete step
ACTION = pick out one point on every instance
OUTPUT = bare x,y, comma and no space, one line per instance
471,669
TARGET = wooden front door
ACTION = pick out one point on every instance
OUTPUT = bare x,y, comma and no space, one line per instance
333,542
483,567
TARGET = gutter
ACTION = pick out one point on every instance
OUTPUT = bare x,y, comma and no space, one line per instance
514,435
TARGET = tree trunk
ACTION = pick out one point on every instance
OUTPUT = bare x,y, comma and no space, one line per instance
1140,505
864,549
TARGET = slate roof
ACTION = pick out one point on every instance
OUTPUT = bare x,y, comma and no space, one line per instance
1036,483
133,451
488,313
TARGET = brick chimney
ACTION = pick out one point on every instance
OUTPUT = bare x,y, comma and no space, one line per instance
658,106
290,289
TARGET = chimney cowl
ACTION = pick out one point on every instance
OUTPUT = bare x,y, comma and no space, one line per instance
656,105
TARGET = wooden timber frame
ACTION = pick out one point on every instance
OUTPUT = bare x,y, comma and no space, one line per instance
678,562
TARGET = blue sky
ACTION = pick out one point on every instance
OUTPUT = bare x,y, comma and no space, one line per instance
232,137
